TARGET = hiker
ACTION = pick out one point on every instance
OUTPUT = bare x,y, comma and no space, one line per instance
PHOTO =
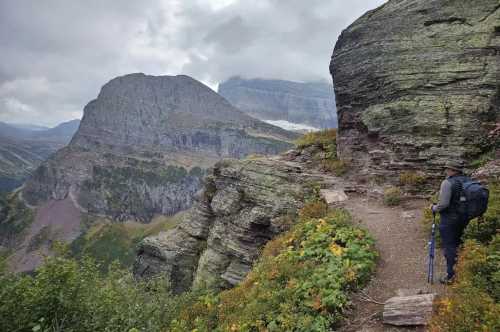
454,218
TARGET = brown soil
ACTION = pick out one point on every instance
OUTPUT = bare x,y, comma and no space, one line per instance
402,245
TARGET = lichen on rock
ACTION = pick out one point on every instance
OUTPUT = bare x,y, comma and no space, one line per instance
244,205
417,84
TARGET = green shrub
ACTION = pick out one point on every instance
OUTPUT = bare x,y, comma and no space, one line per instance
412,179
483,159
67,295
301,282
325,138
392,196
472,304
15,218
314,209
337,167
325,154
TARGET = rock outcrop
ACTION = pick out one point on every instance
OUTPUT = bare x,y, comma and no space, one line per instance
311,103
417,84
243,205
143,144
488,172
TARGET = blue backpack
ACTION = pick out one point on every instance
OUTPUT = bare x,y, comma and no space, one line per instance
473,198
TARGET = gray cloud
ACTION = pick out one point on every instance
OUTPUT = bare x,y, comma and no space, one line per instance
57,54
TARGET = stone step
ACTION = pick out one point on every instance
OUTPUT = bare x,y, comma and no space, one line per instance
408,310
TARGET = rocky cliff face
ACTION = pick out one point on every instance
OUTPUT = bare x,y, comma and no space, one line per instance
142,146
312,104
417,84
243,205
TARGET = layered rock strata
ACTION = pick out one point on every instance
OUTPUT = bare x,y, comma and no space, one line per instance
308,103
143,144
417,83
244,204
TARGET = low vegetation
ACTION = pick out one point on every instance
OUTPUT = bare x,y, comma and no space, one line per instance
70,295
326,139
472,304
323,145
15,218
337,167
392,196
483,159
107,242
301,283
412,180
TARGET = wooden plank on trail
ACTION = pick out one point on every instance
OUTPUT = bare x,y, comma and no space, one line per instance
408,310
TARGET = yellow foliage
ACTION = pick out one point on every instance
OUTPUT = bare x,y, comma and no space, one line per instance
412,179
336,249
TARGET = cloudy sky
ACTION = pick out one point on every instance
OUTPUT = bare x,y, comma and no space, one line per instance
56,54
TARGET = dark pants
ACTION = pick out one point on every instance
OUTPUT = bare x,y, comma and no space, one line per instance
451,229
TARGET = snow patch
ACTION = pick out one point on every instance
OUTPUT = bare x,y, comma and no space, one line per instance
291,126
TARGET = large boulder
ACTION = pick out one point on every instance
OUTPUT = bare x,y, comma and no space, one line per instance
417,84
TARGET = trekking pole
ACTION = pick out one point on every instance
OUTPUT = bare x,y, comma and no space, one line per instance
432,247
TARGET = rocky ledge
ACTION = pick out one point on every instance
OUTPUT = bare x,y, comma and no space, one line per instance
417,84
243,205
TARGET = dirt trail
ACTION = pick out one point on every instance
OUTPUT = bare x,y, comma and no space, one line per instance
402,245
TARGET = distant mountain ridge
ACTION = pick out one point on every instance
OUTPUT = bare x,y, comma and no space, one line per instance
23,148
63,132
142,146
310,103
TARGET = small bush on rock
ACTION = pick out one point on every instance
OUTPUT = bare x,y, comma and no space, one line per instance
325,139
337,167
412,179
392,196
314,209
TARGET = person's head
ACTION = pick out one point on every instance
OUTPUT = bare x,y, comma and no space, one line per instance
453,168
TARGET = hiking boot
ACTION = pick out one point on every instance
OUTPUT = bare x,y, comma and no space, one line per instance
445,280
